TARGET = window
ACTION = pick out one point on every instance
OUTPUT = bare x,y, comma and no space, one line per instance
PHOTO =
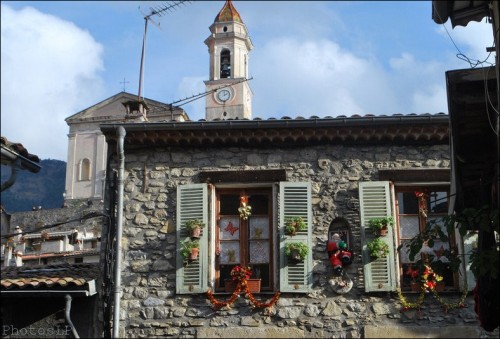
244,242
412,219
225,64
229,240
382,274
84,170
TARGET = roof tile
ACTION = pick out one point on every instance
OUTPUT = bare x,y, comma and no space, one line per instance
47,276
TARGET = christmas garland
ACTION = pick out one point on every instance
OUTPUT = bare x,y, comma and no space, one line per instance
431,285
241,274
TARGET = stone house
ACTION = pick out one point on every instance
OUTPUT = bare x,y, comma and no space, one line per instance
325,170
244,178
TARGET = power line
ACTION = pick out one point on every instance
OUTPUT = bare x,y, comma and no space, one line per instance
49,226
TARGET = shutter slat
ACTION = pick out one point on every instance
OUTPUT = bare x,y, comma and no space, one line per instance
295,201
375,202
192,203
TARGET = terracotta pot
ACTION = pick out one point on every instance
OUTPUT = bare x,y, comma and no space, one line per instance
295,256
440,286
417,287
383,231
253,285
196,232
194,254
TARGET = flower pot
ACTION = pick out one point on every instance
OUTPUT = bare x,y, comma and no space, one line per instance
196,232
295,255
382,231
194,254
416,286
440,286
253,285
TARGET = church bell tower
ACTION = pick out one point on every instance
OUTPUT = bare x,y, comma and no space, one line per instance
228,46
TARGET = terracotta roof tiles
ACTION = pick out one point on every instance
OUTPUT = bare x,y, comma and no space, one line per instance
48,276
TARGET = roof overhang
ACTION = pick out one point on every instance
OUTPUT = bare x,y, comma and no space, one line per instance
52,280
88,290
12,158
459,12
403,129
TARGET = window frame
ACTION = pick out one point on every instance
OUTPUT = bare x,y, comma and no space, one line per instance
422,221
197,200
244,226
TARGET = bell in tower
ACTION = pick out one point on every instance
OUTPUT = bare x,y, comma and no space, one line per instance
225,64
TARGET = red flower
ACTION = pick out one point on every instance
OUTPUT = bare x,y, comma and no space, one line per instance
239,273
412,273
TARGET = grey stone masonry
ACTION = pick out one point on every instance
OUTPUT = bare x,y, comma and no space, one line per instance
150,307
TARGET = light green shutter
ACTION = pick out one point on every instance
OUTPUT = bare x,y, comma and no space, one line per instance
375,202
192,203
295,201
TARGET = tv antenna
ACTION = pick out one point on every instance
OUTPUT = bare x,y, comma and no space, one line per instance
159,11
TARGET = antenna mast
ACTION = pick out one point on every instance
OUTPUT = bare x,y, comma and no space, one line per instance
159,11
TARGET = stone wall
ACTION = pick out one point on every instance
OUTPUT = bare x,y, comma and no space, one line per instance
150,307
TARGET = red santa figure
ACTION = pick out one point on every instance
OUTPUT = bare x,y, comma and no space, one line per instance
338,254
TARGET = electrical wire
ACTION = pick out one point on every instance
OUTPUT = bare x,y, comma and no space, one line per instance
461,55
45,227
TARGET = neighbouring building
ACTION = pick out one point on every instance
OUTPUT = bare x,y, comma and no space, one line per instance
87,149
55,300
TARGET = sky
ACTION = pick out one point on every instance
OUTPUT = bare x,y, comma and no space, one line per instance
310,58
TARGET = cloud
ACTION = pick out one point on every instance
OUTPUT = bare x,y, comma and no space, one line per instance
50,67
317,77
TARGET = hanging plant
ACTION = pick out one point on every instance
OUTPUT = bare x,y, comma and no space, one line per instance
245,209
194,227
377,248
380,226
296,251
422,203
294,225
190,249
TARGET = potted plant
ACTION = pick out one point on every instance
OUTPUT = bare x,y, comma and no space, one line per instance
427,257
194,227
243,276
296,251
423,276
380,226
294,224
377,248
190,249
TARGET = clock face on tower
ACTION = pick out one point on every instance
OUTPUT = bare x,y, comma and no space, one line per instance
223,95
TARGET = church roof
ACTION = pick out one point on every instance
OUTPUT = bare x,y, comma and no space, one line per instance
228,13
